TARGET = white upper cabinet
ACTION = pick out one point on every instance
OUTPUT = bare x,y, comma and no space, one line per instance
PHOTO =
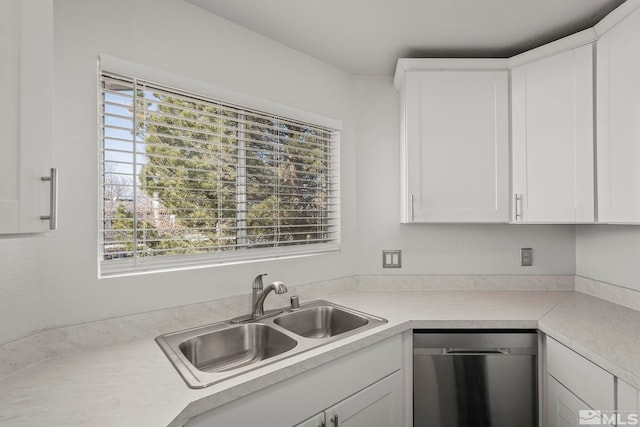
455,140
26,85
552,138
618,122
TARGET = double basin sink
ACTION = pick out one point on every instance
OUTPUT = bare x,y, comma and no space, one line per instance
209,354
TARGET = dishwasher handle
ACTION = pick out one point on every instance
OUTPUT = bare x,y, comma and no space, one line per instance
468,351
463,351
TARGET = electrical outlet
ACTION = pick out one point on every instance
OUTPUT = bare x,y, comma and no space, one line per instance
526,257
391,259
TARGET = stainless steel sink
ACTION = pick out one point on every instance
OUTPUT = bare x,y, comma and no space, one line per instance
235,347
321,322
210,354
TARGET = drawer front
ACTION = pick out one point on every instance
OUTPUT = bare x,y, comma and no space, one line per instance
588,381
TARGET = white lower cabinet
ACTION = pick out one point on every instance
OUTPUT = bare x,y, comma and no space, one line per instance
364,388
628,404
585,379
378,405
318,420
563,407
628,397
578,392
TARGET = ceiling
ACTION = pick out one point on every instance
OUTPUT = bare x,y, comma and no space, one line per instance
368,36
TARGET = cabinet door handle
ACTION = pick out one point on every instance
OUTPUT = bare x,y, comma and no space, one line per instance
53,199
413,215
334,420
518,207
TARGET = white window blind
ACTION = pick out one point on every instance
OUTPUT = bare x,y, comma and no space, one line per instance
189,181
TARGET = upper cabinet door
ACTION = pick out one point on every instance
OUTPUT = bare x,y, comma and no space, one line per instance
618,122
455,146
26,85
552,139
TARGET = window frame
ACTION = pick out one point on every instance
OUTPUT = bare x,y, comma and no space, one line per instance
142,265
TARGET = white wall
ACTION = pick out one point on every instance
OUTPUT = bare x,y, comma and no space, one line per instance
433,249
50,281
20,286
609,253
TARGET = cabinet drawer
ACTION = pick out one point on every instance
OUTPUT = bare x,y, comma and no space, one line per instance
588,381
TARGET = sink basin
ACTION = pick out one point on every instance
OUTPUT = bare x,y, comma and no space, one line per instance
320,322
212,353
235,347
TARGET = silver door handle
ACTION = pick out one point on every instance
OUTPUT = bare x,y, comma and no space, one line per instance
518,207
53,199
334,420
413,212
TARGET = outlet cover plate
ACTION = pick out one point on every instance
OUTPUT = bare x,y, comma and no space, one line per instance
392,258
526,257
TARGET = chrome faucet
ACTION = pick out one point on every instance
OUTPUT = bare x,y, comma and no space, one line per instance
260,294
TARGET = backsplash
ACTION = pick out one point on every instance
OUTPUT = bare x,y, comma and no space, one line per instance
507,282
21,353
616,294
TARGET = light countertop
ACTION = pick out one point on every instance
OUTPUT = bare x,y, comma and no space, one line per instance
134,384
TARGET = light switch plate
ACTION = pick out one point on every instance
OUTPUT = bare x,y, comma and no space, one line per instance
526,257
392,258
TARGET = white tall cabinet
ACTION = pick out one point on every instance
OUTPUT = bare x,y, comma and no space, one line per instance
26,85
552,138
618,122
455,140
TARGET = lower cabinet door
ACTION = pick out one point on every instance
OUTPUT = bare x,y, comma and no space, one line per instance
317,420
564,409
379,405
628,397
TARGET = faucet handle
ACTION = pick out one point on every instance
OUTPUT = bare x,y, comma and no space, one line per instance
257,282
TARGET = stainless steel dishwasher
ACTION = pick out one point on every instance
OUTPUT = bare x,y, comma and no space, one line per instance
475,379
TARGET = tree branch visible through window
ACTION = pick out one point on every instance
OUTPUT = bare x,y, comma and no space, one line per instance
187,175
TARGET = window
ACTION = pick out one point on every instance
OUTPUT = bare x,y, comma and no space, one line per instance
191,181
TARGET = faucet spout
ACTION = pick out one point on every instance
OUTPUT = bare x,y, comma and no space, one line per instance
258,306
